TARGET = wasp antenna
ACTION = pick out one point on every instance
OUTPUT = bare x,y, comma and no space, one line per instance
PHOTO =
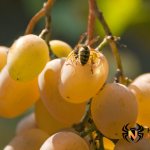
83,38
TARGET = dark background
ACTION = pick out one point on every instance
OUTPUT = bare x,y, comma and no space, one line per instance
128,19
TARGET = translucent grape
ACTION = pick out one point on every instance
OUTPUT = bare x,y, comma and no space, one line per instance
45,121
78,83
63,111
27,57
112,108
141,88
16,97
30,140
108,144
143,144
26,123
60,48
64,141
3,56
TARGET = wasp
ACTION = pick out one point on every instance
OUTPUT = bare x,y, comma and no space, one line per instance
82,54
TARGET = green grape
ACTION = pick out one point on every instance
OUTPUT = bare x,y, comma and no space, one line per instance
27,57
3,56
60,48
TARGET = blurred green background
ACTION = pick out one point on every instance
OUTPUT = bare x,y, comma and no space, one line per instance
129,19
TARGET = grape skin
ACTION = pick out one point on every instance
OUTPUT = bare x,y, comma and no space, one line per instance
141,88
3,56
79,83
60,109
26,123
65,141
29,140
27,57
45,121
143,144
16,97
60,48
108,144
112,108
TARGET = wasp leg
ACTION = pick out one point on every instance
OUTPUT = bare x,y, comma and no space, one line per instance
92,63
72,56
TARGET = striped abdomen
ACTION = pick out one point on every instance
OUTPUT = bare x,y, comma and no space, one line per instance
84,54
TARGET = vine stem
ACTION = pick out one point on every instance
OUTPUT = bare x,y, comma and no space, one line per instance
38,16
85,120
111,39
91,21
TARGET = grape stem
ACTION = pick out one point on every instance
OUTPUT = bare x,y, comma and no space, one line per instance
43,12
87,132
86,119
91,21
102,44
46,32
111,41
87,126
101,143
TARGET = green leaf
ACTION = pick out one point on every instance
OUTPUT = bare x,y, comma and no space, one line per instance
119,13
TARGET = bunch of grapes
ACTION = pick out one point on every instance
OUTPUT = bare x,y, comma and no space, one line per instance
75,108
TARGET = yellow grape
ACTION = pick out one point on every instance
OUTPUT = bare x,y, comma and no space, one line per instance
141,88
60,48
45,121
143,144
27,57
26,123
78,83
63,111
3,56
29,140
16,97
65,141
112,108
108,144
